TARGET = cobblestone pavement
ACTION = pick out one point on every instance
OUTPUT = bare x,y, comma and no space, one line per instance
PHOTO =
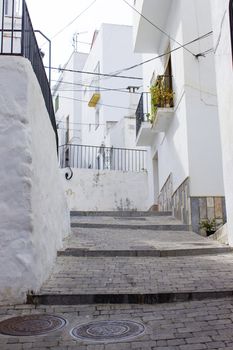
179,326
74,275
108,239
193,325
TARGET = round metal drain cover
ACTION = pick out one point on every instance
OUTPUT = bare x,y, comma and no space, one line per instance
31,325
111,331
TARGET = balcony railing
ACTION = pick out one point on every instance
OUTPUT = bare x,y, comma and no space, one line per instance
143,110
102,158
160,96
17,38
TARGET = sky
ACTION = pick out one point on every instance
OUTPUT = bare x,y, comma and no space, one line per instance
50,16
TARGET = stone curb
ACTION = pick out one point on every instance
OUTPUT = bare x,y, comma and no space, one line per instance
120,213
76,252
157,298
133,227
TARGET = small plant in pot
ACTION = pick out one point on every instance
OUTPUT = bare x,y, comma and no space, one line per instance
209,225
161,97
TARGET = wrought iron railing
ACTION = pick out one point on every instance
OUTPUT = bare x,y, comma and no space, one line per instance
102,158
18,38
143,110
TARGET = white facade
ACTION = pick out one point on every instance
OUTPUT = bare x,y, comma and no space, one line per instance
184,140
112,50
67,96
223,59
34,215
97,190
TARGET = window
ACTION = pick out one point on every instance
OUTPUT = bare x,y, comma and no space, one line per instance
97,79
168,74
56,103
231,23
97,118
67,129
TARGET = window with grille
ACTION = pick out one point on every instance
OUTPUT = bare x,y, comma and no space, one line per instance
56,103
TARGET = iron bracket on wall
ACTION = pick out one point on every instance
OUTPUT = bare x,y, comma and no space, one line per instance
69,174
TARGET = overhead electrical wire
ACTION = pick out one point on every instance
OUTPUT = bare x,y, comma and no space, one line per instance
75,129
99,104
156,26
73,20
166,53
116,74
84,42
79,123
93,73
92,86
100,90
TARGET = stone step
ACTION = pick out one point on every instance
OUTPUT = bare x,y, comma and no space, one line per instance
128,242
76,252
168,223
88,279
163,227
124,298
121,213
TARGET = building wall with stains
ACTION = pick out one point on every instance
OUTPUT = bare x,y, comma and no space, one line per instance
104,190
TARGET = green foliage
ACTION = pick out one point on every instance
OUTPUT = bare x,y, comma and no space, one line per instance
161,97
209,225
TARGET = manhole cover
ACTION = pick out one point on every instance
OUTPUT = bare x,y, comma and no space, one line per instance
31,325
108,331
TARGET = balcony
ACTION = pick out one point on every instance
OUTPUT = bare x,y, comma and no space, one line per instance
147,39
155,111
144,133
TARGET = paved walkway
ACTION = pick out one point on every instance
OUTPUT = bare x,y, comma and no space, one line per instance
171,266
178,326
127,239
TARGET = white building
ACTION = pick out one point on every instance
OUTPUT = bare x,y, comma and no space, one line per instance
222,16
67,100
101,111
183,137
112,51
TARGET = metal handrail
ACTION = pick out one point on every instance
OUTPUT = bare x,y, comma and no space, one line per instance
102,158
143,110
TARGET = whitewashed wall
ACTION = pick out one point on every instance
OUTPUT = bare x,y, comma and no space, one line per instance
191,145
69,92
123,134
33,210
113,49
92,190
223,60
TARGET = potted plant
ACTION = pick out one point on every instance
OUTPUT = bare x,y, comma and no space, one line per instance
160,97
209,225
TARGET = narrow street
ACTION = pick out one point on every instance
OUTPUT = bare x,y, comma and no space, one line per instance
157,285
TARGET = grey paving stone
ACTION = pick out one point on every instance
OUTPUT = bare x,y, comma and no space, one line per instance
191,325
